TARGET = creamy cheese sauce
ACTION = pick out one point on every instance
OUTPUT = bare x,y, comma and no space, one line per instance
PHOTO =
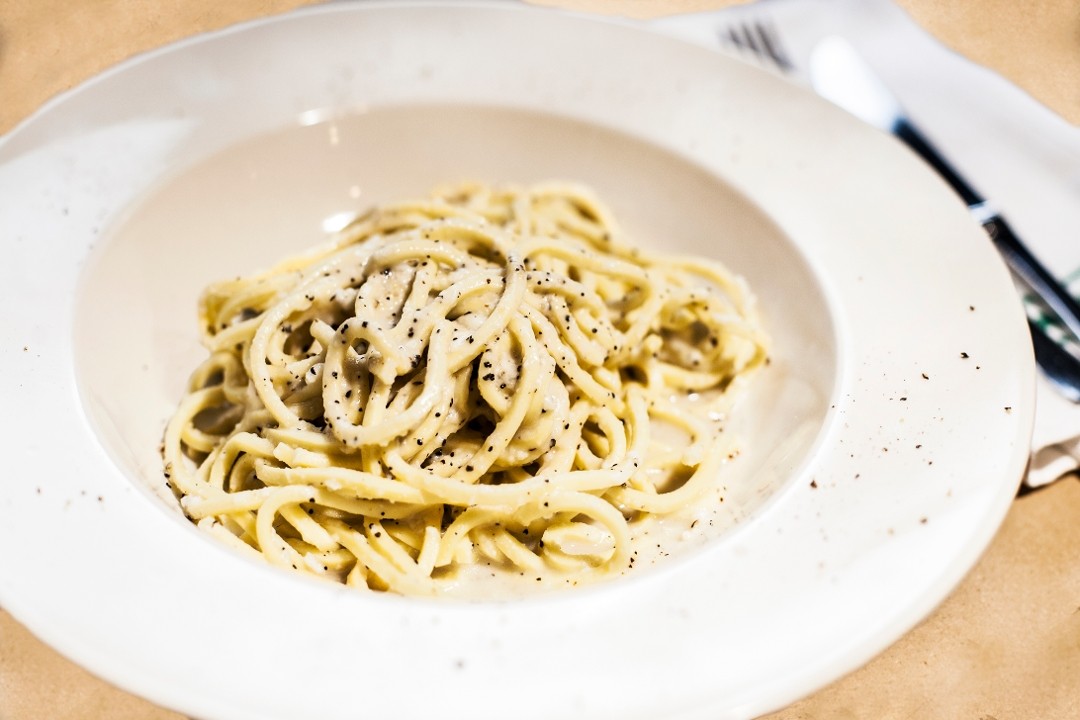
488,378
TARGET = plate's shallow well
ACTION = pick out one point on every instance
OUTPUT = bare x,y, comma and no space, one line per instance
883,443
276,195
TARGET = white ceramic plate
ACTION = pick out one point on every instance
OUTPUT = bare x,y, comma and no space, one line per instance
883,444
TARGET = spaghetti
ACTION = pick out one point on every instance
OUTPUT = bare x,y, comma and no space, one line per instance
475,380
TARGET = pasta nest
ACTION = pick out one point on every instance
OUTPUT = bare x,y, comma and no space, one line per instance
470,381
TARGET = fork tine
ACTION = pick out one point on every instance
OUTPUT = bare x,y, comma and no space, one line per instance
760,39
770,43
735,37
750,40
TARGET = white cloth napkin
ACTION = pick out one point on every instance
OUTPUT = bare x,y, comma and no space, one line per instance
1016,152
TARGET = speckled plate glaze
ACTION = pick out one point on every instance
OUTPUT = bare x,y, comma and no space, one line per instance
882,445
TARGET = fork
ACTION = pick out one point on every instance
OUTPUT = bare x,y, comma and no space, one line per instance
761,40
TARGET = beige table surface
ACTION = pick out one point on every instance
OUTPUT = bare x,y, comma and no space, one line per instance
1004,646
